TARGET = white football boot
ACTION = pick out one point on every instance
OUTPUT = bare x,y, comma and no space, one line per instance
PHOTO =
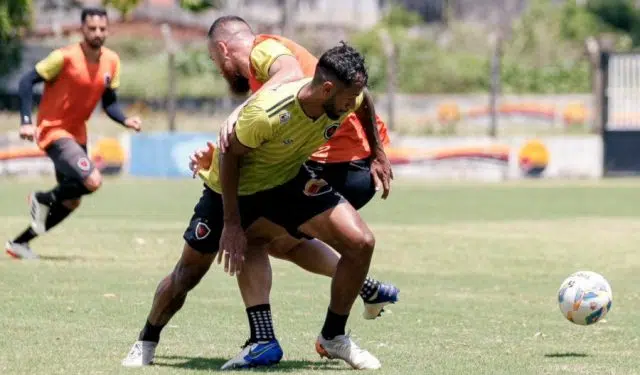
141,354
19,250
39,213
342,347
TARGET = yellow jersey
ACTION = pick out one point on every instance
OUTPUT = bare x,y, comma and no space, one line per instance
280,135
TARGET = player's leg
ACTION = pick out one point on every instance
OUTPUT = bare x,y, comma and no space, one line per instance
76,177
320,212
262,348
202,238
344,230
353,180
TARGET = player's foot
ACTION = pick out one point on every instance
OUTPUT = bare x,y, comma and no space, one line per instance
263,353
342,347
141,354
39,213
19,250
386,294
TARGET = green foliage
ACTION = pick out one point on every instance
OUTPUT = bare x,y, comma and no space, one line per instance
579,23
619,15
544,54
15,15
399,16
125,7
197,6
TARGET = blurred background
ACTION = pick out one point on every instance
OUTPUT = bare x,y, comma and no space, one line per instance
490,89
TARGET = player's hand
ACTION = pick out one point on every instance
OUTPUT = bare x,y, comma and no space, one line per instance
233,244
28,132
201,159
381,172
134,123
226,130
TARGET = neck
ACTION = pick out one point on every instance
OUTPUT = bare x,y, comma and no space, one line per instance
245,55
311,106
91,53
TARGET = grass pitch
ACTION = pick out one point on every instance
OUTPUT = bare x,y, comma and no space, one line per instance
478,266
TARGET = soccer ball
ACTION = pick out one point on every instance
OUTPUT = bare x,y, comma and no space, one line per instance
585,297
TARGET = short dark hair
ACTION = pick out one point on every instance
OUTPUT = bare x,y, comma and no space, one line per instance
342,63
90,12
217,25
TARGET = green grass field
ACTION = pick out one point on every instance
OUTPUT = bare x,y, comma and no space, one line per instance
478,266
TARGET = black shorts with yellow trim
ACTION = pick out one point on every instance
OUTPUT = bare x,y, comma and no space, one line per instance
289,205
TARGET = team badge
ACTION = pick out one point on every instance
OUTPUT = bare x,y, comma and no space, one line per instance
285,117
107,79
315,187
202,231
330,131
84,164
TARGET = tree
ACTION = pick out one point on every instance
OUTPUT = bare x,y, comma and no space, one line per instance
197,6
125,7
15,17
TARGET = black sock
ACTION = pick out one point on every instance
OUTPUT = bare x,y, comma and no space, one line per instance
260,323
57,213
150,332
334,325
369,289
70,190
26,236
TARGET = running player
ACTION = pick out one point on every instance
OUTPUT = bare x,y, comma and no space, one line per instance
76,77
257,62
262,175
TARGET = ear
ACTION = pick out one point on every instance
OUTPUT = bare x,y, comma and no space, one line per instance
327,88
224,50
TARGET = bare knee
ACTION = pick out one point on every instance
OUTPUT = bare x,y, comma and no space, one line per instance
190,270
72,204
94,181
360,247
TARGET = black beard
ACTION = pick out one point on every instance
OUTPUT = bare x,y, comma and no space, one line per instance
239,85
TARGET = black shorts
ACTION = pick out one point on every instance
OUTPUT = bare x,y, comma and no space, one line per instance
352,180
70,160
289,205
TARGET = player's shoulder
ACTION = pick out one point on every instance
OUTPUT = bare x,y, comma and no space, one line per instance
110,54
269,43
274,99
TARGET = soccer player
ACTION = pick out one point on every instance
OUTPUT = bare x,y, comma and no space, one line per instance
261,174
76,77
347,162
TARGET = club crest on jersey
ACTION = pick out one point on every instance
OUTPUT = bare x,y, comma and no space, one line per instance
330,130
285,117
107,79
316,186
84,164
202,231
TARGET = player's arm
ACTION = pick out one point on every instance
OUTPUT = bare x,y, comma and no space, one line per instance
274,64
45,70
252,130
111,106
380,166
